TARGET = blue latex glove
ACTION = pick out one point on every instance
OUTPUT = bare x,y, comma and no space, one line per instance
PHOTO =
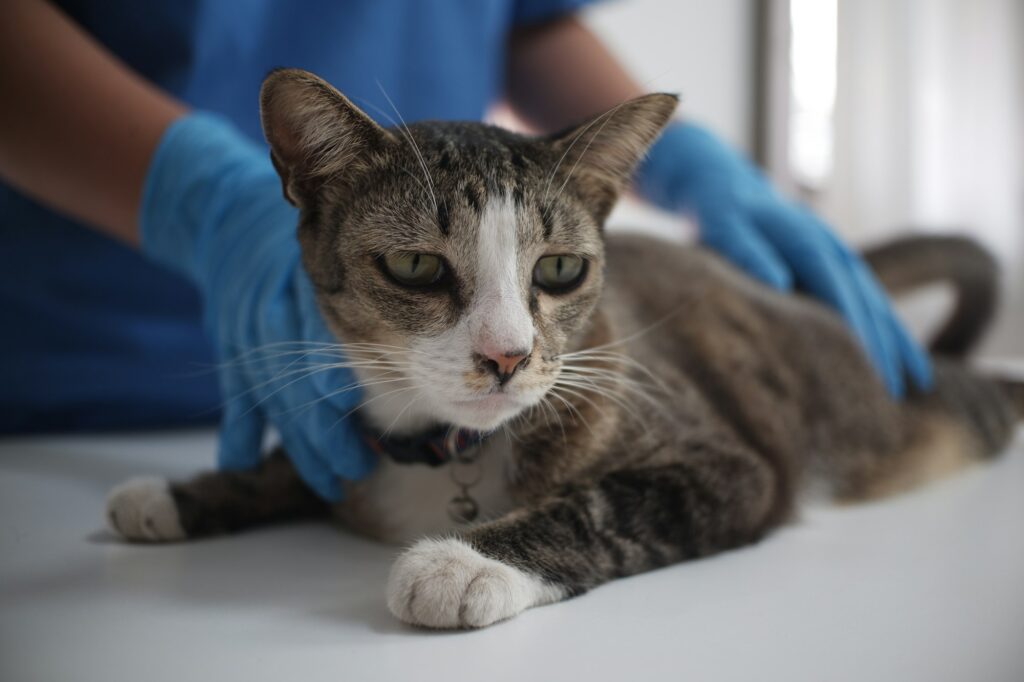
777,241
212,209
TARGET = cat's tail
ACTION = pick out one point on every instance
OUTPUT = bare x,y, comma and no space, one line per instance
911,262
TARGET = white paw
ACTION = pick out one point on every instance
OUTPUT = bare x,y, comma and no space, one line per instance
448,584
143,509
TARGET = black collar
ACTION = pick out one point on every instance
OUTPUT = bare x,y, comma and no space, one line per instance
433,448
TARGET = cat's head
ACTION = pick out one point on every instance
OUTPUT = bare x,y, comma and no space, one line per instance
455,261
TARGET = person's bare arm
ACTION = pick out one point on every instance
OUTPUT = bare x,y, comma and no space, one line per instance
559,72
77,128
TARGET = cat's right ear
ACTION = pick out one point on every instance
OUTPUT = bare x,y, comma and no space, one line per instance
314,132
599,155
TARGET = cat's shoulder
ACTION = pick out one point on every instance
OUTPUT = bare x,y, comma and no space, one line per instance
639,261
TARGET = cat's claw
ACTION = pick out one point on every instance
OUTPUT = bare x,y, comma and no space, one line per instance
448,584
143,510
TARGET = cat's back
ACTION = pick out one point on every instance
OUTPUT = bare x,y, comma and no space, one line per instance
648,278
764,360
665,294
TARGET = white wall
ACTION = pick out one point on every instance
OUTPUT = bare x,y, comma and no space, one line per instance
930,130
930,117
929,114
701,49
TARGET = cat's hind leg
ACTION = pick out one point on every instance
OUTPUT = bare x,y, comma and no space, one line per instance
966,418
155,510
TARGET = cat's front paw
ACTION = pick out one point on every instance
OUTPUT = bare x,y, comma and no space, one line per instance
143,509
448,584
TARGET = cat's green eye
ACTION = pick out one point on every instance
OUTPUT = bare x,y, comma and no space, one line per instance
414,269
559,273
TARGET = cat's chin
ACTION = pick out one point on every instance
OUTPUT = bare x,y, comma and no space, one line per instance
485,413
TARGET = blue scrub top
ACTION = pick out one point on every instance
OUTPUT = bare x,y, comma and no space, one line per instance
93,336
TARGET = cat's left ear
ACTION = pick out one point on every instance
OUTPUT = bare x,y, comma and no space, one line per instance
314,132
599,155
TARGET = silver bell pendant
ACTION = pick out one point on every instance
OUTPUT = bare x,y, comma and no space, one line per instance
463,509
465,473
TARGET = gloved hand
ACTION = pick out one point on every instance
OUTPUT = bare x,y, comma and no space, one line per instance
212,209
777,241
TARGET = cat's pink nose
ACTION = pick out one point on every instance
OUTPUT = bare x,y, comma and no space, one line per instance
504,364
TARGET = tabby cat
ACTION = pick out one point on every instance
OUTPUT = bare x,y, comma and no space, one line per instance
601,405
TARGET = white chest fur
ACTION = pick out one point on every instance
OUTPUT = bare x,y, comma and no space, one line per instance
402,502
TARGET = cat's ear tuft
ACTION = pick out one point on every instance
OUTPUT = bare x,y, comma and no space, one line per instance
314,132
600,154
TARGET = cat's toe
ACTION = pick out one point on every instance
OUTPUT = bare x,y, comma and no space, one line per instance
448,584
143,509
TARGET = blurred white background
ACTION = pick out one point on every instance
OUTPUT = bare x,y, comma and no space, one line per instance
896,113
884,115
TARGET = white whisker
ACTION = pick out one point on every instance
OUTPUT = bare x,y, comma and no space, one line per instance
607,118
345,389
412,401
585,386
412,143
574,412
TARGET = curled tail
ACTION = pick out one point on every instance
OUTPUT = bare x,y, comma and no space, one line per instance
910,262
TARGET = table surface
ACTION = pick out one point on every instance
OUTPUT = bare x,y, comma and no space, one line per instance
927,586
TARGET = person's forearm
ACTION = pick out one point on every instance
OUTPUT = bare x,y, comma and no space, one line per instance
559,72
77,128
